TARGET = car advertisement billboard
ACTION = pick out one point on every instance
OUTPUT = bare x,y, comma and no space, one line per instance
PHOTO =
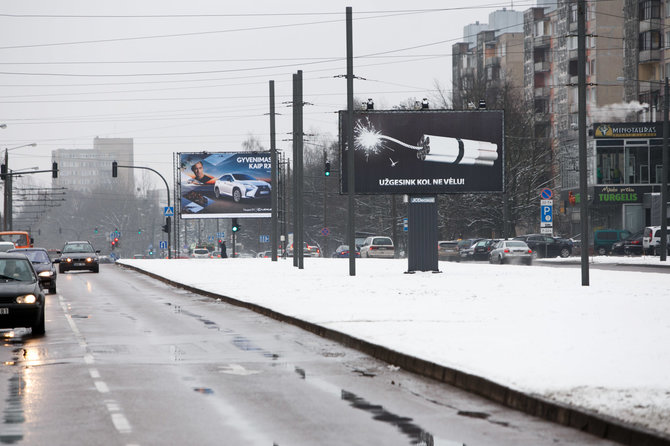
424,151
225,185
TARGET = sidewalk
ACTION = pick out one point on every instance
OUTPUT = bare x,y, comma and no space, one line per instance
530,337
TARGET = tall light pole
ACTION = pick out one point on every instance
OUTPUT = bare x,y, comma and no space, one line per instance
7,221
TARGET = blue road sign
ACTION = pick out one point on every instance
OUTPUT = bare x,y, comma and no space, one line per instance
264,238
168,211
162,244
547,214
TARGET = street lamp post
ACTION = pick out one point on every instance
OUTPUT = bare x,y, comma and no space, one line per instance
7,221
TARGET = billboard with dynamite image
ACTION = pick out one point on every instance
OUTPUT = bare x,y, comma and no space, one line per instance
225,184
424,151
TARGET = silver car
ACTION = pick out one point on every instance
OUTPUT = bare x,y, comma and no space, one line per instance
511,251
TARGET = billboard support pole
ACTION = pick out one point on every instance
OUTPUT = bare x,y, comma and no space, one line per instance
273,155
350,144
295,169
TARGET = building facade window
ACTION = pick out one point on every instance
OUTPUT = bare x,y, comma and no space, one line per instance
650,9
650,40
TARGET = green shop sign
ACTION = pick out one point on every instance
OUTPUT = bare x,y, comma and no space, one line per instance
618,194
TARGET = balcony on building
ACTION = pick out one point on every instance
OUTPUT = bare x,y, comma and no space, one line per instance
652,55
542,67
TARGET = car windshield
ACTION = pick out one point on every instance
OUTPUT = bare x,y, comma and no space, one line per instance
16,270
77,247
516,244
36,256
243,177
201,251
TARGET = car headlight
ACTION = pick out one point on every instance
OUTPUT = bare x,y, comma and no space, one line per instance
68,260
89,259
27,299
45,274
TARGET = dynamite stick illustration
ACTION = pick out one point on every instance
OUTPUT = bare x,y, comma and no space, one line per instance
440,149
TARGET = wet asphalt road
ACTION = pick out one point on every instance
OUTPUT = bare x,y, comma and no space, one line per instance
130,361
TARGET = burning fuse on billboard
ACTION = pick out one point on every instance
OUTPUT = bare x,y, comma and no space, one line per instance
442,149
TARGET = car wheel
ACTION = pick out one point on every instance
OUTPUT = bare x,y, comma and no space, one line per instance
529,261
565,252
602,251
217,194
96,269
502,260
61,269
534,255
237,195
52,290
39,328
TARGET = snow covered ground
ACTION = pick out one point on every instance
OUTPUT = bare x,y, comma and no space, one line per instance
535,328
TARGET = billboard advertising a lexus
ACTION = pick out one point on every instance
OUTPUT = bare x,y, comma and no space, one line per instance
225,184
424,151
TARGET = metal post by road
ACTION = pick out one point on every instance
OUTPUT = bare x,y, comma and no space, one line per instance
274,180
664,174
295,169
583,177
300,173
350,143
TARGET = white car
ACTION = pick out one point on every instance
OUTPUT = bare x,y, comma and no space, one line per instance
378,247
201,253
239,186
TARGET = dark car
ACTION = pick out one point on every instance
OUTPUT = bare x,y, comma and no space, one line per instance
44,267
78,256
466,248
22,300
483,248
547,246
342,251
631,245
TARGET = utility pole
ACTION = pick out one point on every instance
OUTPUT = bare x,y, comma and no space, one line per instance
274,177
583,177
350,144
664,174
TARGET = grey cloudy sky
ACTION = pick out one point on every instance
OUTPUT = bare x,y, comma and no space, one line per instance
190,76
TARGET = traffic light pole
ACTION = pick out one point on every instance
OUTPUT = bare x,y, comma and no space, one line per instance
116,165
8,178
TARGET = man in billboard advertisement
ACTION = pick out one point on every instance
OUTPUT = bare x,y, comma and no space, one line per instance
225,184
425,152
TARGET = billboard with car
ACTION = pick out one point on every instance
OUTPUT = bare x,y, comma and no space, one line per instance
424,151
225,184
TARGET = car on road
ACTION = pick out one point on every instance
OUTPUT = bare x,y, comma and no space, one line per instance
342,252
201,253
43,265
239,186
6,246
482,249
466,248
603,239
630,246
22,300
511,251
650,238
378,247
448,250
546,245
78,256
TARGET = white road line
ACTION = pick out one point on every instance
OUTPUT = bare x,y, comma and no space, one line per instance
101,386
94,373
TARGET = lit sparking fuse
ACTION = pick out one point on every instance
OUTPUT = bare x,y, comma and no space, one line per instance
442,149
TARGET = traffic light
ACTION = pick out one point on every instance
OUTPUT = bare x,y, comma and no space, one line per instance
571,198
115,169
54,170
3,172
327,169
139,232
236,226
116,242
166,226
95,230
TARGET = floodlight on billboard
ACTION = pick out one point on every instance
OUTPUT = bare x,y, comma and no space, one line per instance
415,152
225,185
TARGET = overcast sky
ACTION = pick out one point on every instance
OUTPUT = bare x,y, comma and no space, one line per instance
193,76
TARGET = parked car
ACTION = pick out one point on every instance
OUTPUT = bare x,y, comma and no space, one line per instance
200,253
603,239
306,252
631,245
378,247
239,186
44,267
482,249
448,250
264,254
342,251
466,248
6,246
656,249
651,237
78,255
22,300
546,245
511,251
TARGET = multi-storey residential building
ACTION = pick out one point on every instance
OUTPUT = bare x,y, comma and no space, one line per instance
87,170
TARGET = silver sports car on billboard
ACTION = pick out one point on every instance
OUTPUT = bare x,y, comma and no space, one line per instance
241,185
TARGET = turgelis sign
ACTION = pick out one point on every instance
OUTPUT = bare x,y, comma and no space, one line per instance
628,130
619,194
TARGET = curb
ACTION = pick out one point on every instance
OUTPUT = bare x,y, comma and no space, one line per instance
599,425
